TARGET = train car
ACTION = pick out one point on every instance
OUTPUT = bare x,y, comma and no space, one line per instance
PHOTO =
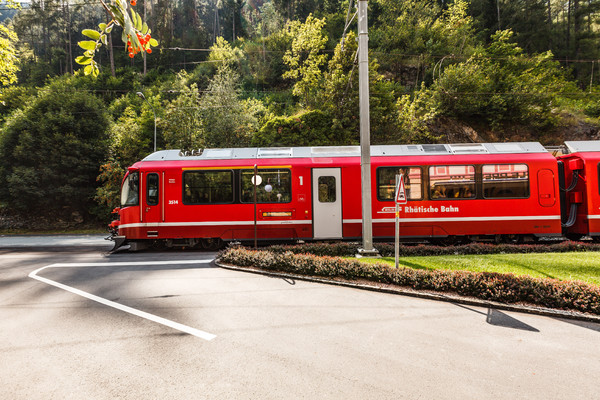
581,195
497,191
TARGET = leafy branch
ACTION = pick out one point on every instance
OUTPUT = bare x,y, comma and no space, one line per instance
136,34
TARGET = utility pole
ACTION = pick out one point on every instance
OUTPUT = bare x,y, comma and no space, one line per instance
365,132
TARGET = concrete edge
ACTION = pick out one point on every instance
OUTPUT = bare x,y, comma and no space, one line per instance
451,298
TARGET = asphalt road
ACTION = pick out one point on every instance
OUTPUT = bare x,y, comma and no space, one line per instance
256,337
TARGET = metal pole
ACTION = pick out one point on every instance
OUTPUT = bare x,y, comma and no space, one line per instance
153,112
365,141
397,230
254,192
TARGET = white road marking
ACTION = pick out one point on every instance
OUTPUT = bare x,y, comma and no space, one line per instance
142,314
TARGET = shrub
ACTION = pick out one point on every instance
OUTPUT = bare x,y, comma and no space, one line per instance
505,288
342,249
312,128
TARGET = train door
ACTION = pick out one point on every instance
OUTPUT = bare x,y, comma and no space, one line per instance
327,203
546,192
152,204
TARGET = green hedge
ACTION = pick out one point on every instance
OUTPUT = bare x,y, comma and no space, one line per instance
504,288
343,249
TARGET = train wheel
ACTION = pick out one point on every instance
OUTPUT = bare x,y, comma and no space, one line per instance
514,239
211,243
574,236
447,241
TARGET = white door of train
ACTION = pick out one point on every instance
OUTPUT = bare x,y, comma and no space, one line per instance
327,203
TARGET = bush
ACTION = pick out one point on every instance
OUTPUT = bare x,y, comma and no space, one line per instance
505,288
312,128
344,249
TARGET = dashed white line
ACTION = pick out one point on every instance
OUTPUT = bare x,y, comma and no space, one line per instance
133,311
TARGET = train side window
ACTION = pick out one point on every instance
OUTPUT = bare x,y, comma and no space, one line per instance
502,181
152,189
274,186
130,190
386,182
327,189
451,182
208,187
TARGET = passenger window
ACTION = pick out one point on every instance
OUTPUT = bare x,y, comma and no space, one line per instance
327,189
386,182
448,182
152,189
273,186
208,187
501,181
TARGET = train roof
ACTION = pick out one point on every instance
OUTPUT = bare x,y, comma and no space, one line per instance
348,151
583,146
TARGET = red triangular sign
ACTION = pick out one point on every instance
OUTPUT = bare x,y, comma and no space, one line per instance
400,193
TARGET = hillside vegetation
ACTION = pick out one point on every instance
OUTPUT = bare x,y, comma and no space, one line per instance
234,73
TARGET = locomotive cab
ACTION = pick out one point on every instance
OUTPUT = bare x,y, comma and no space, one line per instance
129,206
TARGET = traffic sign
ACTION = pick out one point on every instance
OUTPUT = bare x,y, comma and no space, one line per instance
400,192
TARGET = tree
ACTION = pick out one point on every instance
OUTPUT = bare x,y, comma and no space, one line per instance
226,120
305,58
340,97
182,125
496,85
50,152
8,54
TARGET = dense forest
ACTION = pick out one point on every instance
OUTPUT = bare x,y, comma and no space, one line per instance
235,73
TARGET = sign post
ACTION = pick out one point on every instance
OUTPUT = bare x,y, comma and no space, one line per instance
400,199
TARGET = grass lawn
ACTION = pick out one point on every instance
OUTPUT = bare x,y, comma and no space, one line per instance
584,266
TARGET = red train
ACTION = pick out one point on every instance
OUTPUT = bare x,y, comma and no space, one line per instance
455,192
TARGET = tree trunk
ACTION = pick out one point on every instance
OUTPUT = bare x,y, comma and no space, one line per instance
69,44
498,10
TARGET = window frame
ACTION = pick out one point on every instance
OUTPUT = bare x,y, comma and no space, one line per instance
207,171
329,187
130,175
473,182
483,196
265,169
148,175
377,183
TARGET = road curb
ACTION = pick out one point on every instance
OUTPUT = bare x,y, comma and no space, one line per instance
450,298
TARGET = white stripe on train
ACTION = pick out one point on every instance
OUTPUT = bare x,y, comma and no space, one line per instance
347,221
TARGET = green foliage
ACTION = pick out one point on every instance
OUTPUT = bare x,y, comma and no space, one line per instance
182,124
128,141
108,193
311,128
340,97
421,27
223,53
224,120
497,84
50,152
305,58
8,56
415,113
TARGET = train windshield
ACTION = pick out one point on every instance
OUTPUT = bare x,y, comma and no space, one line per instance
130,192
